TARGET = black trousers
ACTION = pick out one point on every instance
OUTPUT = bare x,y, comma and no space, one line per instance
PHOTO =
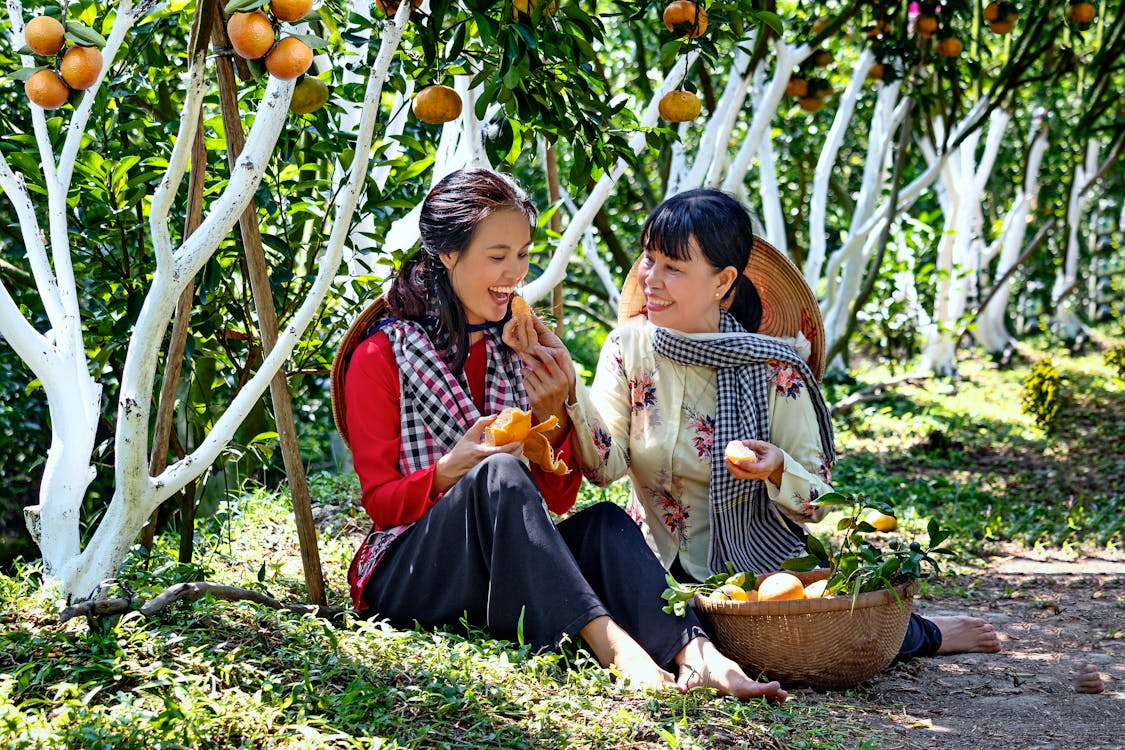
489,552
923,638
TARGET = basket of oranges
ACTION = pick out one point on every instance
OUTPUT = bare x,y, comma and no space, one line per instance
787,629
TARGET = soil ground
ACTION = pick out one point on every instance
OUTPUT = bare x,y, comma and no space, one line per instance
1054,613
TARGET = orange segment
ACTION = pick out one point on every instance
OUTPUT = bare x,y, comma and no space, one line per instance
511,426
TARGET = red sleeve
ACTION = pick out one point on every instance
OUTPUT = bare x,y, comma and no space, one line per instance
371,388
560,492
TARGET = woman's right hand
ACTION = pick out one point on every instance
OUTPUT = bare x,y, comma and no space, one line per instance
469,451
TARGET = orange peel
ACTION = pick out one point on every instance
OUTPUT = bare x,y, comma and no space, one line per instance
514,426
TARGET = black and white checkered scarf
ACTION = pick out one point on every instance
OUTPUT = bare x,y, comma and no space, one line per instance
436,408
746,529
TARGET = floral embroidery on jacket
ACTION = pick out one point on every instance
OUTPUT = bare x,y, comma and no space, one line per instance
824,472
785,378
665,498
703,431
806,506
642,391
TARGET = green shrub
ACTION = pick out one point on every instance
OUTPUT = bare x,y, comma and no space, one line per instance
1115,358
1042,391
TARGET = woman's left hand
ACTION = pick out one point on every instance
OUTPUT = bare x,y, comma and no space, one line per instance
769,466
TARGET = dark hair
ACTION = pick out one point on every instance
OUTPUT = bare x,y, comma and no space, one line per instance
451,212
724,232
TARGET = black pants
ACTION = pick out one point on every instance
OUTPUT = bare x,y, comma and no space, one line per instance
923,638
489,552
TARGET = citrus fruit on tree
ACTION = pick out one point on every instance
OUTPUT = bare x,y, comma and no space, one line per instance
949,46
991,12
290,10
780,587
46,89
822,58
926,26
309,95
797,87
524,7
251,34
679,106
685,16
875,72
289,59
44,35
81,66
811,103
390,7
1081,12
1001,27
436,104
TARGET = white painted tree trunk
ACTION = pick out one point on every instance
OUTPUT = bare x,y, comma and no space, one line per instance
1066,320
992,331
963,182
58,358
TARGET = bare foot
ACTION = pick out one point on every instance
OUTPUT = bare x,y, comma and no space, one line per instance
1088,680
617,650
963,635
703,666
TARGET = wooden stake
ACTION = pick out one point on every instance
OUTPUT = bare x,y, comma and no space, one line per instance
554,194
267,322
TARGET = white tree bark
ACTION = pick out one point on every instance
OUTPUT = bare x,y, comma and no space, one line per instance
1066,320
992,331
58,357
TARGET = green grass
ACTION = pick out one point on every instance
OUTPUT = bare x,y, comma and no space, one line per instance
966,453
214,674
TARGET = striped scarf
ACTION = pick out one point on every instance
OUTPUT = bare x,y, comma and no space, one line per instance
746,529
436,406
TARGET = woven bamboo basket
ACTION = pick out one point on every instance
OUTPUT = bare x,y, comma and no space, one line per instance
823,643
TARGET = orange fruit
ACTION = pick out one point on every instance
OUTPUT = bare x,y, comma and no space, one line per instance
44,35
436,104
309,95
679,106
728,592
1081,12
738,454
991,12
290,10
390,7
1001,27
289,59
881,521
510,426
926,26
520,308
251,34
811,103
822,58
524,7
875,72
816,589
46,89
81,66
780,587
797,87
949,46
686,16
537,449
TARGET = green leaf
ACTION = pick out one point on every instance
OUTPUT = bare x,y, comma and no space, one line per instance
314,42
80,33
802,564
770,19
241,6
816,547
24,73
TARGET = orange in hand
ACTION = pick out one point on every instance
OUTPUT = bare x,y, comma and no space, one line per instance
739,455
514,425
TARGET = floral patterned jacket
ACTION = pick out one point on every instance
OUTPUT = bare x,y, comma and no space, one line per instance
654,419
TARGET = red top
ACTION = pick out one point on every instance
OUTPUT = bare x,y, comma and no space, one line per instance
371,388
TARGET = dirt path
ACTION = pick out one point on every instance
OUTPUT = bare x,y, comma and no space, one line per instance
1054,613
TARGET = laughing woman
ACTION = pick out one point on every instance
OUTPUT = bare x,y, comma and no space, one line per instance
461,528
